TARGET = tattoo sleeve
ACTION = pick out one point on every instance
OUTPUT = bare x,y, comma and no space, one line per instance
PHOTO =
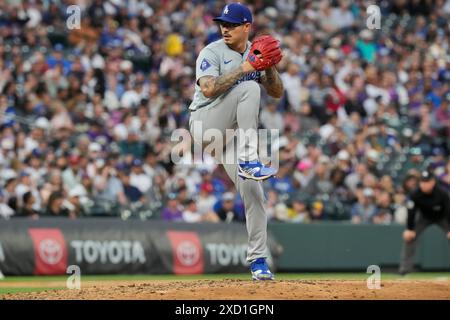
214,86
272,83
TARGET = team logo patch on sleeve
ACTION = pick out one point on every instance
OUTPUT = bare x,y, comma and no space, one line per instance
205,65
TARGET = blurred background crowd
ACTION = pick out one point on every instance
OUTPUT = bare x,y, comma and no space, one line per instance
86,115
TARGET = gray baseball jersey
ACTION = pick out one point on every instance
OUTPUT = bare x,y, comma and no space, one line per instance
214,60
238,107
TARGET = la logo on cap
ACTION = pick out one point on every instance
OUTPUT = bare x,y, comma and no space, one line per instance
225,10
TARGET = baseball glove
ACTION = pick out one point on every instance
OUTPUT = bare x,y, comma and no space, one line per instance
264,53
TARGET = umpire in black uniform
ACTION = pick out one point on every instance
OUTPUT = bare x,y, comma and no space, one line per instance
428,204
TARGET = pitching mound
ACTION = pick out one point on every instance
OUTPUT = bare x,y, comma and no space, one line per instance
240,289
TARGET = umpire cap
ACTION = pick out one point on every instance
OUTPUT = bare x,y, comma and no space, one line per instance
426,175
235,13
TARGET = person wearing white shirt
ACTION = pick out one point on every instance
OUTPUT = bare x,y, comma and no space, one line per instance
292,84
206,200
271,118
342,16
191,213
138,178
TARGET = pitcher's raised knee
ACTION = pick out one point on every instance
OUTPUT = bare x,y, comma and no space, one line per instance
250,87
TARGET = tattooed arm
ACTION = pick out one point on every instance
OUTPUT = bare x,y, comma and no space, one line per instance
214,86
272,83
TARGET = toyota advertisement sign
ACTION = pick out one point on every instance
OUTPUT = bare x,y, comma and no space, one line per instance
110,246
50,251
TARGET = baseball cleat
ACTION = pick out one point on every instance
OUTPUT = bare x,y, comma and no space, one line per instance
260,270
255,170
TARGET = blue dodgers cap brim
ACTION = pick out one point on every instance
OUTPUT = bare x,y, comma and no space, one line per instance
227,19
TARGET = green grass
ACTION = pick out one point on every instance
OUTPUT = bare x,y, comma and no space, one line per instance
4,288
242,276
17,290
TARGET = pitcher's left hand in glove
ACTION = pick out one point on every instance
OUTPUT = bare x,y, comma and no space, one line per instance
264,53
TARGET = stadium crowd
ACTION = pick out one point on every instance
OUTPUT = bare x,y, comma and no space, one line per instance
87,114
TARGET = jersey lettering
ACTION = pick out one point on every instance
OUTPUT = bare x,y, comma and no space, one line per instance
255,75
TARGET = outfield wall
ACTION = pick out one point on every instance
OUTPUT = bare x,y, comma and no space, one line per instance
337,246
111,246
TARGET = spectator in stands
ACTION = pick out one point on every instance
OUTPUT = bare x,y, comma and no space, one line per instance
283,182
445,177
415,161
55,207
157,191
226,210
272,202
25,184
308,122
386,184
172,211
27,209
132,193
320,183
138,178
304,173
72,174
318,212
292,84
337,178
108,185
5,211
372,162
400,210
191,213
385,208
299,213
343,161
364,210
9,193
54,183
271,118
75,199
182,192
410,183
356,177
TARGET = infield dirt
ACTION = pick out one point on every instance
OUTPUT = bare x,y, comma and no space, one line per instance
239,289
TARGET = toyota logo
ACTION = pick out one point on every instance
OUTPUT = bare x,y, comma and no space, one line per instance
188,253
50,251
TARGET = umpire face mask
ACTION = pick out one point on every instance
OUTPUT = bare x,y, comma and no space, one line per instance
427,186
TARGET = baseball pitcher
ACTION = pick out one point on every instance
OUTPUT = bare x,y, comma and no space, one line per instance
227,96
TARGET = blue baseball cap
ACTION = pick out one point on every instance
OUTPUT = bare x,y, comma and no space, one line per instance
121,167
137,163
235,13
172,196
59,47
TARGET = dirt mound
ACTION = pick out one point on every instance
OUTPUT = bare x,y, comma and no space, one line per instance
240,289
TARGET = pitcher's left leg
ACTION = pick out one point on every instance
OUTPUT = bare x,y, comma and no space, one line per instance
252,194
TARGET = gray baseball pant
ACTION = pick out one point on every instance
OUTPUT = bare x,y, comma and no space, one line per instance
409,248
239,108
